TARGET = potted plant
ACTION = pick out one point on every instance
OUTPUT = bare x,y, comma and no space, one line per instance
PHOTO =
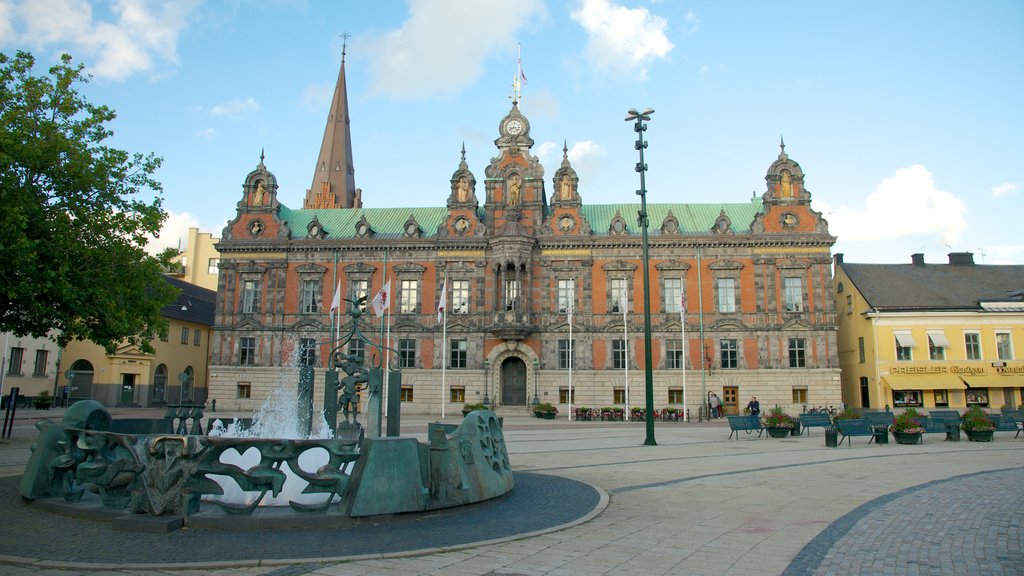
43,401
545,410
473,407
906,428
778,423
978,426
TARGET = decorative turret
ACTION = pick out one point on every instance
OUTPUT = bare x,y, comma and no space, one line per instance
334,184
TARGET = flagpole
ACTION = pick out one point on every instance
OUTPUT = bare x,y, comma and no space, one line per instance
625,346
387,343
572,305
444,338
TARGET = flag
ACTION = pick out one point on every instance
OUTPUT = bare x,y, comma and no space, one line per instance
682,302
572,304
336,303
442,303
522,75
382,301
623,303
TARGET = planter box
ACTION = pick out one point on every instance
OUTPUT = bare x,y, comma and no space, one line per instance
779,432
980,435
907,437
545,415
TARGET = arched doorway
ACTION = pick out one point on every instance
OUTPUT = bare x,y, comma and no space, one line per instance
159,386
513,382
80,383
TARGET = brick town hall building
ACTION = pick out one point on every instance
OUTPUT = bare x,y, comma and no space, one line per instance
756,275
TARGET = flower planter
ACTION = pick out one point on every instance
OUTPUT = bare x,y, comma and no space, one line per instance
779,432
545,415
980,435
907,437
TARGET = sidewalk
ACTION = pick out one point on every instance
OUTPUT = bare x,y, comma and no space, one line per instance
698,503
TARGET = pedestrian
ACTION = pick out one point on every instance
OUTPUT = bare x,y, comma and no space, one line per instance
754,406
716,406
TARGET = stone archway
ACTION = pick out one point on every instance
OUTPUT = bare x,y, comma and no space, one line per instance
513,381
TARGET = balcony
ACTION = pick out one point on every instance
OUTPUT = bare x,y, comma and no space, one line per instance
512,324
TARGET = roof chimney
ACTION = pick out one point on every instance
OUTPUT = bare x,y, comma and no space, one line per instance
838,258
961,259
917,259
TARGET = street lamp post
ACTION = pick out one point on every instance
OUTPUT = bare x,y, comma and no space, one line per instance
639,118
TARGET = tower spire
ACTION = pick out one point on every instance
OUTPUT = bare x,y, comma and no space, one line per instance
334,184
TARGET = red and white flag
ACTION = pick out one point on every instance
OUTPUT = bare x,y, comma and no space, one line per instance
382,301
442,303
336,303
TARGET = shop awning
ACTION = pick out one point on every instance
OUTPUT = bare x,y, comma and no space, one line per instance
995,381
939,339
923,382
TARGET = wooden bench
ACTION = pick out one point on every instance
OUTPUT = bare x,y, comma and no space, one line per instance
746,424
879,419
815,420
1004,422
950,416
849,427
1017,416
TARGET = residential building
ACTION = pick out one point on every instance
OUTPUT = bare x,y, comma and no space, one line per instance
930,335
28,364
199,261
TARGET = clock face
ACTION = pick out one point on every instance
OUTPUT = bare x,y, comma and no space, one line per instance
514,127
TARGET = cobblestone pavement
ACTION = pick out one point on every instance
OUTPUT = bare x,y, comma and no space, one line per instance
696,503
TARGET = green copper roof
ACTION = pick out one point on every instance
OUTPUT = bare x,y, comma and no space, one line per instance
390,222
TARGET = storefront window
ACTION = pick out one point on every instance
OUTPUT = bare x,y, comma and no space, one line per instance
906,398
977,397
941,398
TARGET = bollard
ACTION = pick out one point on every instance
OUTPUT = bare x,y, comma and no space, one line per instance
831,437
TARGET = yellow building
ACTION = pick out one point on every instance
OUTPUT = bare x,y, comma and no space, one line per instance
177,373
28,364
930,335
199,262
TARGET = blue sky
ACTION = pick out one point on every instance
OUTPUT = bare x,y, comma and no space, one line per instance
906,117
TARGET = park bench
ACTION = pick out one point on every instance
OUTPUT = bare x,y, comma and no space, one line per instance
879,419
933,426
1004,422
815,419
1017,417
849,427
746,424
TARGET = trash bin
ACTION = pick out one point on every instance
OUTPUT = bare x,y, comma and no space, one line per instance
952,431
881,434
796,427
831,437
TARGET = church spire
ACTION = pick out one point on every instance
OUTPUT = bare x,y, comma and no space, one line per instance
334,184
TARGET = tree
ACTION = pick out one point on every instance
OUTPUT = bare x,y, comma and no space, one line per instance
73,219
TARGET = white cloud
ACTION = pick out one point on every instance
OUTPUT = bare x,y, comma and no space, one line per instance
904,206
132,38
173,234
236,108
588,159
622,39
317,97
1005,189
206,133
693,22
442,47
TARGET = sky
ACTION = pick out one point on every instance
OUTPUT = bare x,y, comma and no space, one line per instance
905,117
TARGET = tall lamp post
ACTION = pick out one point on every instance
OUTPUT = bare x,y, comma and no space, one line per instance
638,118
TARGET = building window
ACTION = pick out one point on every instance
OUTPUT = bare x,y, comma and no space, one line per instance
566,291
458,394
906,398
358,289
40,367
197,336
511,294
212,266
727,353
617,294
937,345
726,294
941,398
904,346
458,354
797,353
566,354
563,395
865,395
799,395
243,390
793,289
972,345
619,396
406,395
307,352
675,395
247,351
407,353
250,297
977,397
860,349
409,296
17,354
460,297
673,295
310,291
184,334
619,354
1004,347
674,357
163,337
357,349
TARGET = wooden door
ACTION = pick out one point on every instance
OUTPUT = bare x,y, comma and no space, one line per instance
731,400
513,382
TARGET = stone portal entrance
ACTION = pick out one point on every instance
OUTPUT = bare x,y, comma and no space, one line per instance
513,382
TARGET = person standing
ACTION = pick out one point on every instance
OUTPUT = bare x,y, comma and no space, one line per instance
716,406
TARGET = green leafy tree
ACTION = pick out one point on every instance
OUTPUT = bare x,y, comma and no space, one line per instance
73,216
